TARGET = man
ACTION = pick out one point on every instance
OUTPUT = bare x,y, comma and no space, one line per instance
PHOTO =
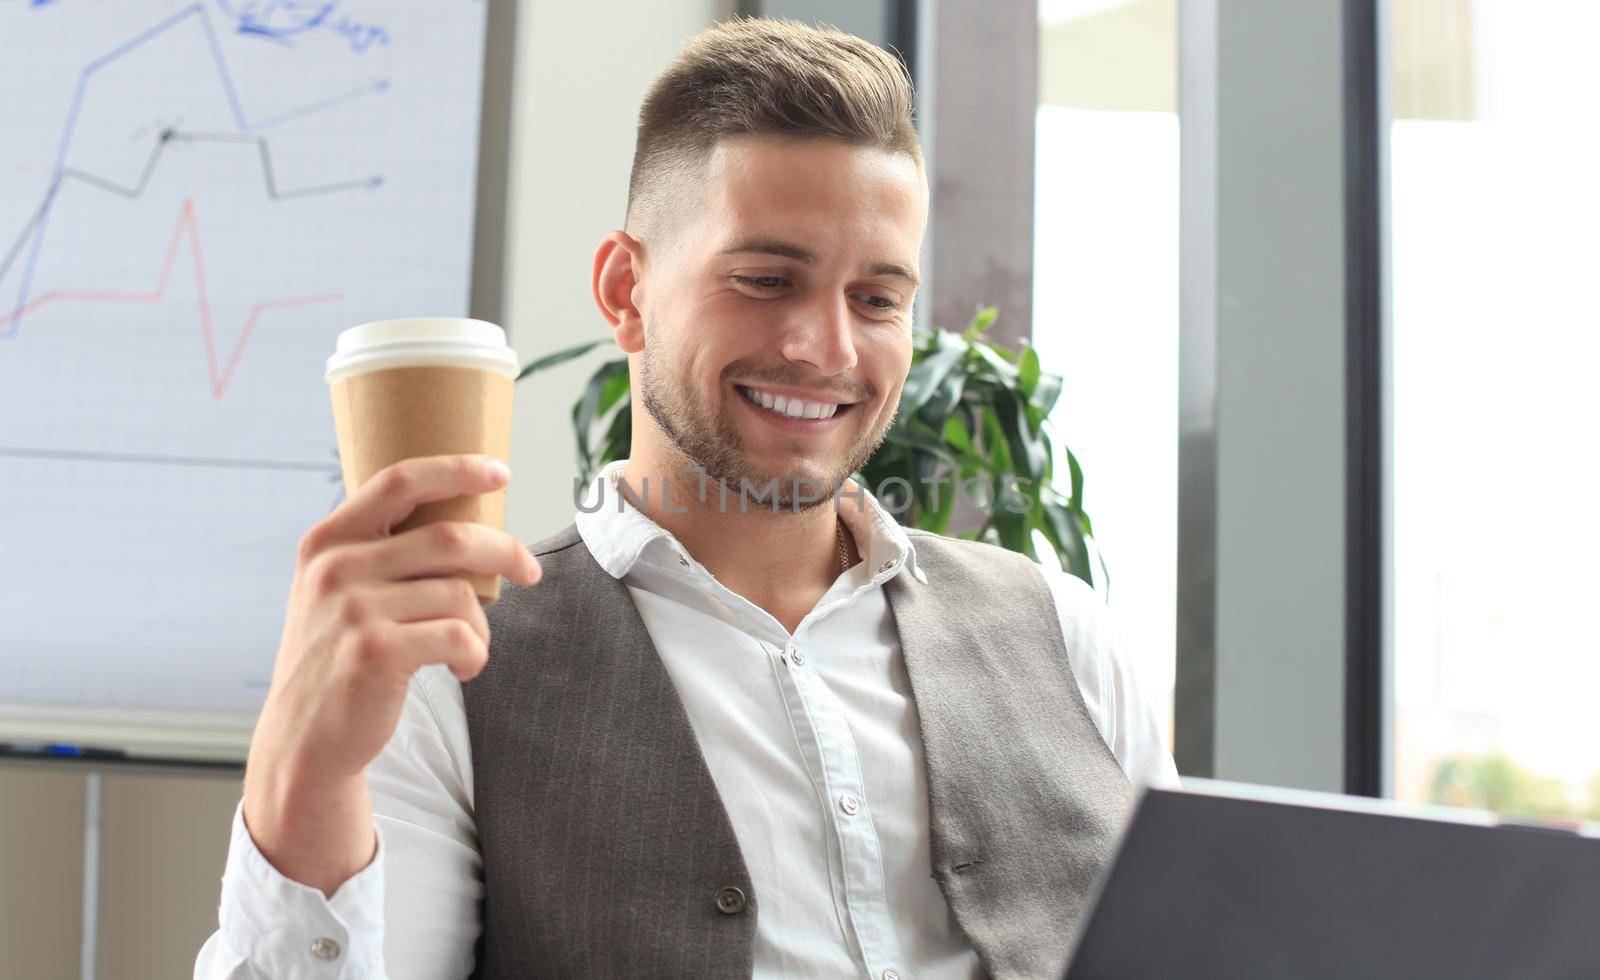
709,734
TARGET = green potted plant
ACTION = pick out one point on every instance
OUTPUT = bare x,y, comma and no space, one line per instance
972,414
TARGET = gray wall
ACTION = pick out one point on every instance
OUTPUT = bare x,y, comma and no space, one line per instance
165,837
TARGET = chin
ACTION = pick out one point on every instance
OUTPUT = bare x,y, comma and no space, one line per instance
815,479
785,470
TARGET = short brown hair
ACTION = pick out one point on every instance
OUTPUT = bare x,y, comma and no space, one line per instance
763,76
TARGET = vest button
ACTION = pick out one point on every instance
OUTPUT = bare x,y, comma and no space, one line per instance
730,900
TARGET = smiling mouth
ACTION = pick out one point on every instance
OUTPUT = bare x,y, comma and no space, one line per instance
793,409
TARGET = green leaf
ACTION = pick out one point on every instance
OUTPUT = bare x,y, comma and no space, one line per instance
1045,392
1004,368
1066,536
944,399
619,436
955,434
613,391
1100,560
1026,448
587,409
982,320
920,436
1028,370
938,520
993,436
559,357
1013,530
1076,473
1003,352
1035,417
925,377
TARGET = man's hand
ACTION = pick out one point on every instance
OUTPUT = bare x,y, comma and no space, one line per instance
366,610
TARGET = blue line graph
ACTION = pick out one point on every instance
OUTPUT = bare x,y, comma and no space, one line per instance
241,120
376,87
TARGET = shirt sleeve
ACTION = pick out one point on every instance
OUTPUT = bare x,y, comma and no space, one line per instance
416,905
273,926
421,788
1109,680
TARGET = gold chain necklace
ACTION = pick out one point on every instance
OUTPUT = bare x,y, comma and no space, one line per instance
844,554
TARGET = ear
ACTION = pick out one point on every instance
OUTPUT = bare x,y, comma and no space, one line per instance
618,272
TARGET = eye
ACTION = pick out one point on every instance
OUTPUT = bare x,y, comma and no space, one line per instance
888,304
882,304
761,282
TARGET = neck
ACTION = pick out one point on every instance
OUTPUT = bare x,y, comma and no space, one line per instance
767,556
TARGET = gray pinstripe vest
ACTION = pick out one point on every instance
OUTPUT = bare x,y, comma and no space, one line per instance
606,845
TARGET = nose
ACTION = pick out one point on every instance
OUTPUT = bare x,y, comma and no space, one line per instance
823,338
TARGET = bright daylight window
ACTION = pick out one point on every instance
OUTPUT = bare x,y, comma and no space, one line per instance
1106,294
1494,206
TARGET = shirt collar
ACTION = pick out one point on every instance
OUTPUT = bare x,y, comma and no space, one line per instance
618,534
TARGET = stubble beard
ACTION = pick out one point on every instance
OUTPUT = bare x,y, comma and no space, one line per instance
708,439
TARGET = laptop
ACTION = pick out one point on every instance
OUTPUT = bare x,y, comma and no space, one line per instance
1226,881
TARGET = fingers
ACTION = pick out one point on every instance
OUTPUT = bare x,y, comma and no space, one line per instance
443,548
395,491
452,642
428,598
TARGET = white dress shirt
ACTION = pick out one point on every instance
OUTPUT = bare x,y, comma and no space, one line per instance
812,740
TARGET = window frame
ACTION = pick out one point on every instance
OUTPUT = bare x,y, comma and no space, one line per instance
1283,620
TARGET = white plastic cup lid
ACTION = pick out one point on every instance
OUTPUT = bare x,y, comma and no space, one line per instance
423,341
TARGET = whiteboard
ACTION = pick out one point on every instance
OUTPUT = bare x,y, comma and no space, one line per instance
195,198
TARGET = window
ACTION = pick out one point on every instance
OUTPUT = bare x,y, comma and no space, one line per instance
1106,294
1494,205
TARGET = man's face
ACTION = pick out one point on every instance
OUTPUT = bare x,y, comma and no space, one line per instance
793,278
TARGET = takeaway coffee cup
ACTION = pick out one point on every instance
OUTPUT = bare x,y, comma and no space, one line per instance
425,386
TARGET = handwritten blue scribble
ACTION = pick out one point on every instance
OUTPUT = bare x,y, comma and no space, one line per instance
282,21
361,36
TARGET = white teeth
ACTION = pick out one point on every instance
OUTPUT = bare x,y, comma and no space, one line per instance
792,407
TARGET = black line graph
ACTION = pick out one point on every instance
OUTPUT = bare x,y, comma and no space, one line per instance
167,137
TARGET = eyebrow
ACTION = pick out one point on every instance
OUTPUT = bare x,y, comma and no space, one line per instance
789,250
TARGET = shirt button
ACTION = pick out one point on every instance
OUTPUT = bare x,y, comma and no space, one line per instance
683,561
325,949
730,900
890,975
887,565
797,657
849,804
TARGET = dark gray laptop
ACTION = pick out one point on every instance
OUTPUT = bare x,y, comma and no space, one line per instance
1223,881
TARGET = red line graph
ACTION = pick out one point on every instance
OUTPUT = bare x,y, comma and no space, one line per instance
186,221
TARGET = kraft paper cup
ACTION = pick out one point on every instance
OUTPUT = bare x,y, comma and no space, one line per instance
425,386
